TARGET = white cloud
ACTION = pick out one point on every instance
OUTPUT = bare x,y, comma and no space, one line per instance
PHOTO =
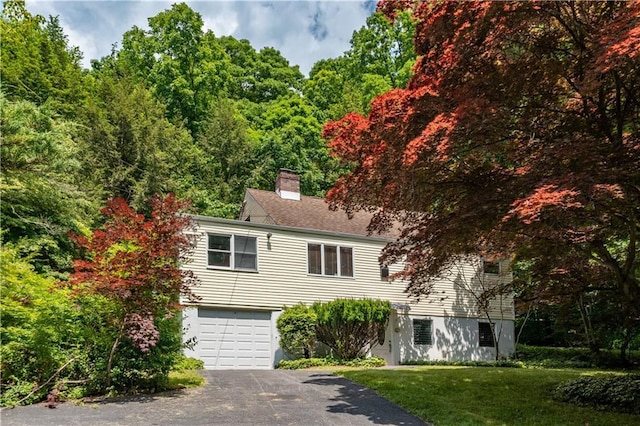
303,31
85,42
223,21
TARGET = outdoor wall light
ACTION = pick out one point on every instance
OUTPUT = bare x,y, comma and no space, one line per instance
269,235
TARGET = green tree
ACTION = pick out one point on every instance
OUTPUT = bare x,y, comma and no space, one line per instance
137,55
380,58
297,328
130,149
291,138
330,93
351,327
41,201
191,69
384,48
37,63
259,76
41,331
218,175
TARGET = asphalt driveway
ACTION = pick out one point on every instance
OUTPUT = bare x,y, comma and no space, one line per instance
256,397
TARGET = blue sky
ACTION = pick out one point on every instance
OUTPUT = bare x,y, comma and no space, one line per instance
303,31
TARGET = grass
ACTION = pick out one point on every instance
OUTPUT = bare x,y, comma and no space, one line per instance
484,396
184,379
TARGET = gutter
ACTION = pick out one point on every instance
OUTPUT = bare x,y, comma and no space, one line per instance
263,226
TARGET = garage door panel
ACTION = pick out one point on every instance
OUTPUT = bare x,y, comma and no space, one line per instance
244,347
234,339
262,346
228,346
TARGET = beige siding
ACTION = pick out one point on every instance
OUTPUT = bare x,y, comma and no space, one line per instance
282,277
457,293
252,211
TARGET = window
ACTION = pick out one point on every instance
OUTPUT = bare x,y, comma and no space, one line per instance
422,332
491,267
325,259
384,273
485,331
232,252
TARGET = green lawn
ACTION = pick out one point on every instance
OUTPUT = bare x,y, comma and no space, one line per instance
484,396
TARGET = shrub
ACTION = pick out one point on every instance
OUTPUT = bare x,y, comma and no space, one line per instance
350,327
298,364
297,327
363,362
546,353
184,379
184,363
135,263
552,357
134,370
603,392
464,363
40,332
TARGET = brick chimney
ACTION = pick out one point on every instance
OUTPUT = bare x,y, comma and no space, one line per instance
288,184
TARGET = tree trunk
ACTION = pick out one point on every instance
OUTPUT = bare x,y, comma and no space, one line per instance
112,354
624,348
592,343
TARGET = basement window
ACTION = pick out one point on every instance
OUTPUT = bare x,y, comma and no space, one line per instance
485,331
422,334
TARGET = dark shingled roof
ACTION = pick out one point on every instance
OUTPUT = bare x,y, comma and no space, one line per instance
311,213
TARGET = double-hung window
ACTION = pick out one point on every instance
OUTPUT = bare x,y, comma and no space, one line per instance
332,260
232,252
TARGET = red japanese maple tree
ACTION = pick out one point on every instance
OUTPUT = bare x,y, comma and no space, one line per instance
518,134
135,261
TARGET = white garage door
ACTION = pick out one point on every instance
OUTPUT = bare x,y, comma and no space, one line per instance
234,339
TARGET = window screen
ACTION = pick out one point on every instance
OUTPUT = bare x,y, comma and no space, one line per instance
422,332
491,267
232,251
331,260
346,261
315,258
219,251
245,251
485,331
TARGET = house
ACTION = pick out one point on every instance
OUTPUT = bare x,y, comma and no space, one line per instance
288,248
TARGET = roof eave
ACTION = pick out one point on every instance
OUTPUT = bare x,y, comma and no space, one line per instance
265,226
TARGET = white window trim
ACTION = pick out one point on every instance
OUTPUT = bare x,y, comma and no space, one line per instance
493,274
232,244
322,268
